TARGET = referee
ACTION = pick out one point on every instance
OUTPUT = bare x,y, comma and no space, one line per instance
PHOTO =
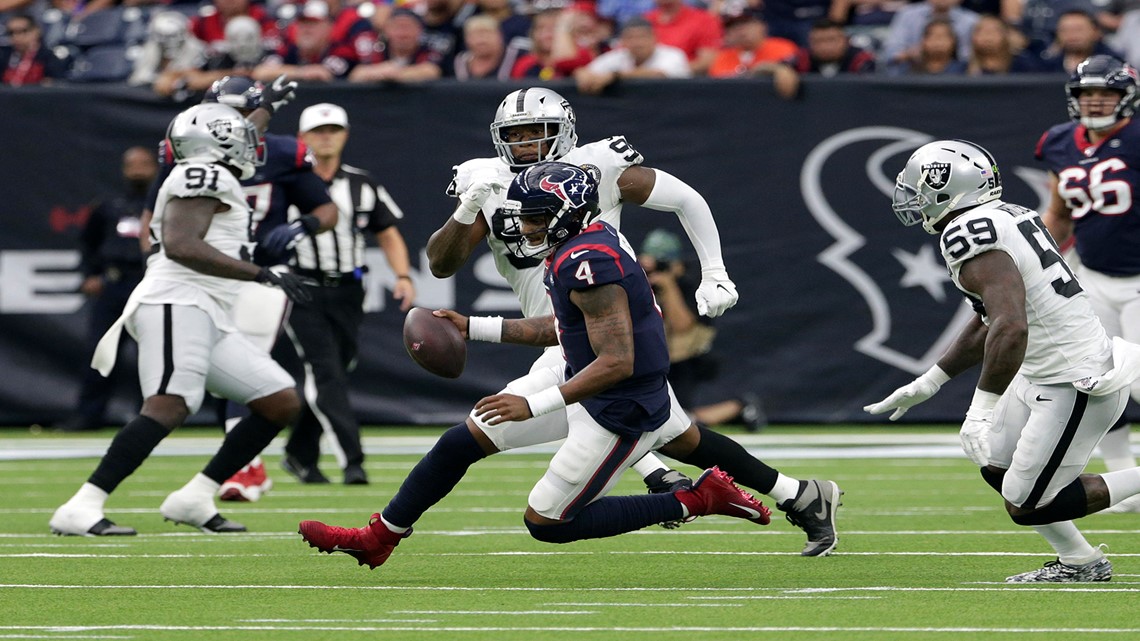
325,332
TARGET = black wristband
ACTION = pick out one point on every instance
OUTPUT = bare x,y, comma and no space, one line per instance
311,223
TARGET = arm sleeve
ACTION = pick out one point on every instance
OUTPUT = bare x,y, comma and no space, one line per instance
672,194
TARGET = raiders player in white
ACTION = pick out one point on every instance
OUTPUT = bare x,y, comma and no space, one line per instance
181,314
534,125
1052,382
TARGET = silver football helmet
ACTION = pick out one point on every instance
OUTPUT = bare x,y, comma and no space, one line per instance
213,132
535,105
942,177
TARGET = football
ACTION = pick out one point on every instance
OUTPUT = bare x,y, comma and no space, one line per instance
435,343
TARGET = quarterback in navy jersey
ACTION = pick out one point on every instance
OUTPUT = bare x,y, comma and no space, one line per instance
594,258
1094,174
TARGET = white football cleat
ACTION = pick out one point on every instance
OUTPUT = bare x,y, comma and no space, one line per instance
77,520
191,508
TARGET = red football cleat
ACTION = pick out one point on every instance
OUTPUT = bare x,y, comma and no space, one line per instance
248,484
714,493
371,544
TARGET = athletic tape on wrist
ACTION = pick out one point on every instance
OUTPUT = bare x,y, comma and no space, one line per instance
485,328
545,401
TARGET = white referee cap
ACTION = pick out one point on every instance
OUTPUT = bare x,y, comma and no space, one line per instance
323,114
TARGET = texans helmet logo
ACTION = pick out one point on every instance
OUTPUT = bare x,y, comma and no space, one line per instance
571,189
936,174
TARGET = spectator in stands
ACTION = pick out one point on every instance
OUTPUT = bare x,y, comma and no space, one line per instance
748,50
829,52
238,55
792,19
169,55
351,28
484,57
698,33
1078,37
689,337
639,56
312,56
443,27
111,260
515,26
1037,29
403,55
580,27
1128,37
25,61
864,14
544,61
937,52
210,25
903,43
620,11
992,50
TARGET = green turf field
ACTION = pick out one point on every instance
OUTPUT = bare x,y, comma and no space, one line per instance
924,549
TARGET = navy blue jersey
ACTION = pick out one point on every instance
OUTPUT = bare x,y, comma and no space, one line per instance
286,179
1100,184
596,257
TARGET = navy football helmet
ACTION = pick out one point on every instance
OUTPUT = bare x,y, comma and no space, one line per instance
240,93
1103,71
564,194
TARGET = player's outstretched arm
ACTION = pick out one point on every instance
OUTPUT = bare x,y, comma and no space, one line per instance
656,189
451,245
994,276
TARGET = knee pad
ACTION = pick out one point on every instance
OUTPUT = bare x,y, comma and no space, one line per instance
548,533
1071,503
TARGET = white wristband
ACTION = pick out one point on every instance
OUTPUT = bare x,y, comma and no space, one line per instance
936,375
545,401
485,328
464,215
983,401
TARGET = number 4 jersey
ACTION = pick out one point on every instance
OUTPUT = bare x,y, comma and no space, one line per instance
1099,183
1066,340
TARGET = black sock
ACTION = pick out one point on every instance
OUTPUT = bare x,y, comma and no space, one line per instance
610,516
717,449
130,447
434,476
245,441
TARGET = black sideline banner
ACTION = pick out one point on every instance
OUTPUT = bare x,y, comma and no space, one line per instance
839,304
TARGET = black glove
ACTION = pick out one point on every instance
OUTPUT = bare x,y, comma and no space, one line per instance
278,94
280,243
289,283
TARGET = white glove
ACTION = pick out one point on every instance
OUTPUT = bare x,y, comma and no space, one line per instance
472,199
716,293
910,394
975,435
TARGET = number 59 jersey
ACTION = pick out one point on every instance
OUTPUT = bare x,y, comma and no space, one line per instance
1066,340
604,160
167,281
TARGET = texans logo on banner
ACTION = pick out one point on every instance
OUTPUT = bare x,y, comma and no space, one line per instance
916,312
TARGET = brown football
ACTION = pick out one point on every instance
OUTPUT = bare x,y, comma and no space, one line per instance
435,343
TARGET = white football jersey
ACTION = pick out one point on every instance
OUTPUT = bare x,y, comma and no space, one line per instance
1066,339
167,281
605,160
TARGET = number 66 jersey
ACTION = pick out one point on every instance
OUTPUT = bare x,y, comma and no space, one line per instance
1066,339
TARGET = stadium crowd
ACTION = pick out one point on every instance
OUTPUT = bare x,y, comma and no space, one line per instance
178,48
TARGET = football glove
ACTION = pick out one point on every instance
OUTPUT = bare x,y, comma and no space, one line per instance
471,201
975,435
716,293
278,94
911,394
280,243
289,283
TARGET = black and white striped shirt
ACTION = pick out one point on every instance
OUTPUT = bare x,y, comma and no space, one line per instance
363,206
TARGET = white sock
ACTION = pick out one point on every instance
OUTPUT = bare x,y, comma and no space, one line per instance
1122,484
91,496
649,464
202,484
786,488
1116,449
395,528
1070,544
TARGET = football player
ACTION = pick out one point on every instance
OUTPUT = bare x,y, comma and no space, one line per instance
535,125
1094,176
1052,381
284,180
180,315
612,387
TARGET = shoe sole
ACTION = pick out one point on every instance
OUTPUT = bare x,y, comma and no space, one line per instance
836,499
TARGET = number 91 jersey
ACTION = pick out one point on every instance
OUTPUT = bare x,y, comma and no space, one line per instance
604,160
1066,340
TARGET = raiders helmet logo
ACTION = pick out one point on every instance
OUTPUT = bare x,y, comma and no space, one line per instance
936,174
220,129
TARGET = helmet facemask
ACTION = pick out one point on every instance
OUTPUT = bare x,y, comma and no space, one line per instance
563,194
534,106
